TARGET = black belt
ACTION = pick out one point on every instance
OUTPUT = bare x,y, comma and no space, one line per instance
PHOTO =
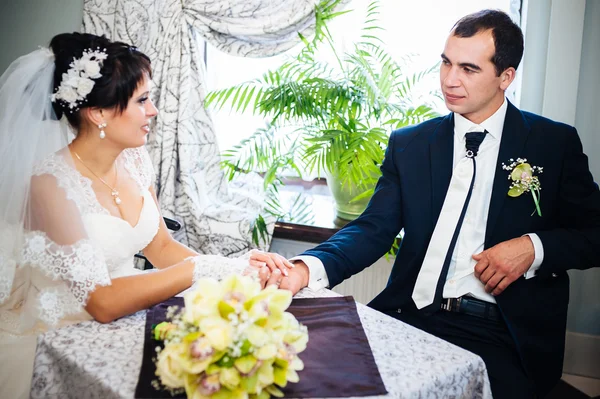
473,307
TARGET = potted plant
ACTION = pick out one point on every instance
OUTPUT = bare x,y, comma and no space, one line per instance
331,118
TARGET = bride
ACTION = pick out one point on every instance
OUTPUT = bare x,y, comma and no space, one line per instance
75,211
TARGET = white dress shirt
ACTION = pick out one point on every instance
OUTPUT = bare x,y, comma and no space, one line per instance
460,279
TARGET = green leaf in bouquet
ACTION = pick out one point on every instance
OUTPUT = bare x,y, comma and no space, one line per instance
273,390
265,373
226,360
250,383
280,376
246,347
245,364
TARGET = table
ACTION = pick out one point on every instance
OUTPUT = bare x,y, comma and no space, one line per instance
93,360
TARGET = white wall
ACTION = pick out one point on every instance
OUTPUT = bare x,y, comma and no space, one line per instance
536,25
584,308
27,24
561,81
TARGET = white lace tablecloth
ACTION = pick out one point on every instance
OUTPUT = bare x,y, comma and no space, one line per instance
93,360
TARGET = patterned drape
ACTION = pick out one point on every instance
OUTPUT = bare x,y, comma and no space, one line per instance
216,215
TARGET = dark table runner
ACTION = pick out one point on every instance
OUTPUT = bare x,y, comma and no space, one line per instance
338,361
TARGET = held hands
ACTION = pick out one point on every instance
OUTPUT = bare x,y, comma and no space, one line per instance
271,260
297,279
272,268
499,266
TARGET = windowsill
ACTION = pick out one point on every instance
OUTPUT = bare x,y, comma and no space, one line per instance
317,221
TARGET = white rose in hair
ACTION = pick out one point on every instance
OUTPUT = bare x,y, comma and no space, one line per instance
75,67
70,79
84,86
69,95
91,68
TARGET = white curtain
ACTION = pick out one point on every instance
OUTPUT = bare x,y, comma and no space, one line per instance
216,215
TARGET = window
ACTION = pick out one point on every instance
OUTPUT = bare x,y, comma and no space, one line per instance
415,29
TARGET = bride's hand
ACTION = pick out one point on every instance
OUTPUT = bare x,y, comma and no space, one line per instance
265,277
271,260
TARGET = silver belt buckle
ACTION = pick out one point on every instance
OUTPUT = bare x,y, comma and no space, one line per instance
446,305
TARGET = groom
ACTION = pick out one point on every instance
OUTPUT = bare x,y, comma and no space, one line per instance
476,267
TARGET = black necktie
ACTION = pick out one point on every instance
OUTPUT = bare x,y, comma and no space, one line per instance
472,142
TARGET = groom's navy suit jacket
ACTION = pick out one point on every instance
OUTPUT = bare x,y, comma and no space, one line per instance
416,174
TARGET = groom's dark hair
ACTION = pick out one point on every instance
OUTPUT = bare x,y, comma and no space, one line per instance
508,37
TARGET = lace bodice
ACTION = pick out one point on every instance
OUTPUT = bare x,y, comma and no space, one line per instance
62,263
118,240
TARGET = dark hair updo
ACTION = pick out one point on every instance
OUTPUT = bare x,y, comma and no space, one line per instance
122,71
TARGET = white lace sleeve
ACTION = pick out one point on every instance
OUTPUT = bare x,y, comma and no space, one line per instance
80,267
139,165
216,266
65,266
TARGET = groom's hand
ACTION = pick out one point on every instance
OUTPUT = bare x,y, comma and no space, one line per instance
297,278
497,267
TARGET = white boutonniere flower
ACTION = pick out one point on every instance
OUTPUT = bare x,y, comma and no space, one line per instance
524,180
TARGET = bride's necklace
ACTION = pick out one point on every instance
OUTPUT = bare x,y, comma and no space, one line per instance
113,190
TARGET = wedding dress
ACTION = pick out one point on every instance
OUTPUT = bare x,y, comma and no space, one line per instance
53,281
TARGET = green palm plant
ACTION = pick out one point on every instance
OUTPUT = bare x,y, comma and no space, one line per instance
331,117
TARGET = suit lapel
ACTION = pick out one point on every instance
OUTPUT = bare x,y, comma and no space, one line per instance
514,136
441,149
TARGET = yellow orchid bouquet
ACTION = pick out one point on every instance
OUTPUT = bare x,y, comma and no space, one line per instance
231,340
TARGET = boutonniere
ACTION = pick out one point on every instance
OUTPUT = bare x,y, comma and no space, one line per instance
524,181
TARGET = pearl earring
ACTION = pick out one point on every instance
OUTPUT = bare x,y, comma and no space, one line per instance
101,127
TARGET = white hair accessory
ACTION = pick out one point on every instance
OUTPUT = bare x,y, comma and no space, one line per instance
77,82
